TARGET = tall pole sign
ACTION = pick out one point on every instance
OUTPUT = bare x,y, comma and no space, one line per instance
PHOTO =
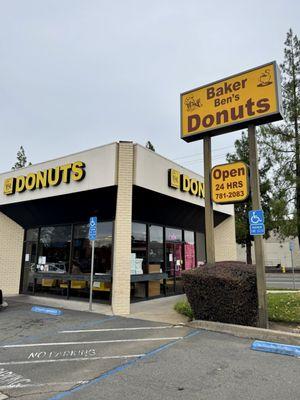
244,100
258,238
209,212
92,237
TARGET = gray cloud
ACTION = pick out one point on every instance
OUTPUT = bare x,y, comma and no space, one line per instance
76,74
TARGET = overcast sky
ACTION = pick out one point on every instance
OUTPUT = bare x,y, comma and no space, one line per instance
77,74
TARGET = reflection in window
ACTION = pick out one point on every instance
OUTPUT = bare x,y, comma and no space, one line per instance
30,256
138,247
54,248
156,248
173,235
32,235
189,250
82,249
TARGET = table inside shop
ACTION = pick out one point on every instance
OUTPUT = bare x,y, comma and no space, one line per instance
145,278
141,278
69,278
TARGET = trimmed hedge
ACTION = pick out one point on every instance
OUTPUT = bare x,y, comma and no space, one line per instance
223,292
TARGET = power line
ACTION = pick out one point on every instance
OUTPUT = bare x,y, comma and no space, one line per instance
197,154
201,159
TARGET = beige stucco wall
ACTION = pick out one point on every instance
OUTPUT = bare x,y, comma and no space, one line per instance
11,248
225,244
100,172
151,172
277,251
122,231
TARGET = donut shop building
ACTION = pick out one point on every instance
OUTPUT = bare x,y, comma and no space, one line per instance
150,228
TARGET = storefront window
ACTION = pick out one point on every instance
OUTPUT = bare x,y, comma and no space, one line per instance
173,235
82,249
189,250
138,248
32,235
156,248
200,247
54,249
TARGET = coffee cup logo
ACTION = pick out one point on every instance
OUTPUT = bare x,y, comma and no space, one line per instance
265,79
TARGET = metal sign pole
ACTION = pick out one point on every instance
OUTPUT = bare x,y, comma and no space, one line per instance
258,240
209,216
92,275
293,269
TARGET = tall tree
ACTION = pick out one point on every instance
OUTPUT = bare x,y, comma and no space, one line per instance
243,236
280,142
21,159
150,146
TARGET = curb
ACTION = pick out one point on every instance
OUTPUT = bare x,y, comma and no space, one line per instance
248,332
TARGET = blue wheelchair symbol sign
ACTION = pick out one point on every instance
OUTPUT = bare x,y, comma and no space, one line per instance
256,217
93,228
256,220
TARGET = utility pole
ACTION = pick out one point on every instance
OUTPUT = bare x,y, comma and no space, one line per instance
209,216
258,239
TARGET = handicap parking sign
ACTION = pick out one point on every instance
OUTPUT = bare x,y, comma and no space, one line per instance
256,217
93,228
256,220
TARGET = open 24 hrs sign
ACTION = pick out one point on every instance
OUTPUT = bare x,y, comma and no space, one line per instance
230,183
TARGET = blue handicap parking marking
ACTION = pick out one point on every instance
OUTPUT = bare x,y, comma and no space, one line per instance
278,348
46,310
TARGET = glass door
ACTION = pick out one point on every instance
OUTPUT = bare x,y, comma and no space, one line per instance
174,266
30,259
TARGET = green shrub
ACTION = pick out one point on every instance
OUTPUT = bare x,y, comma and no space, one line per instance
223,292
183,307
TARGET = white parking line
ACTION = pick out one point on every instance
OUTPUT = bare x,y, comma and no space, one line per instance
72,359
122,329
91,342
40,385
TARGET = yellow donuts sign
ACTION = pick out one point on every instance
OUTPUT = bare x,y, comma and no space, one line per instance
251,97
43,179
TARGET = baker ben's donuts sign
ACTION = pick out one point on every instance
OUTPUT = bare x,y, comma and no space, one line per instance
251,97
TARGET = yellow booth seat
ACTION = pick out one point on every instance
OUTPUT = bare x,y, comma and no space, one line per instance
49,282
101,286
74,285
78,284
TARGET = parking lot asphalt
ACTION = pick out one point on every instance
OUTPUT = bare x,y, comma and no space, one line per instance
81,355
41,354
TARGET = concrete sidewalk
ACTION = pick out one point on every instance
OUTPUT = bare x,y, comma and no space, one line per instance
157,310
55,302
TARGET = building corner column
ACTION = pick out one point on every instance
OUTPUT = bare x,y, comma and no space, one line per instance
122,230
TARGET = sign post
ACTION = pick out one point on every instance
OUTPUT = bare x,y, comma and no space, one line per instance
92,237
239,101
258,239
209,213
292,261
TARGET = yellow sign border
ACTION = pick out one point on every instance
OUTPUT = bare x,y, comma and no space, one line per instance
247,183
225,128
